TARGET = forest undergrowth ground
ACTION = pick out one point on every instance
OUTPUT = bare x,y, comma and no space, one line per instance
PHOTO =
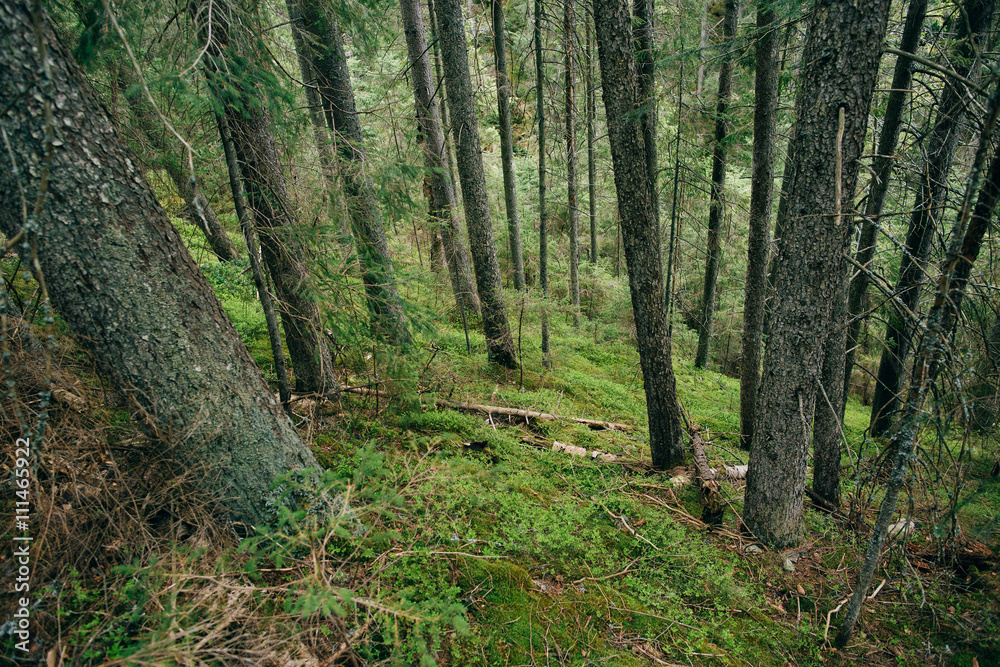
458,538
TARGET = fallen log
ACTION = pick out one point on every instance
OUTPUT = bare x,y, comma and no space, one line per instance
530,414
707,483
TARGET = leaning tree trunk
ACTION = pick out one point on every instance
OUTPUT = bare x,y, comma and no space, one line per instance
507,145
963,249
882,168
443,206
716,208
571,182
543,232
973,23
616,49
118,273
465,127
267,197
838,80
761,196
326,52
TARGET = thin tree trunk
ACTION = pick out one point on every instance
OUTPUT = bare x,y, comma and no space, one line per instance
107,251
963,250
973,22
543,233
675,198
716,210
259,279
571,181
882,168
326,52
841,65
507,145
761,198
591,137
702,47
443,106
499,341
619,75
267,197
645,61
443,206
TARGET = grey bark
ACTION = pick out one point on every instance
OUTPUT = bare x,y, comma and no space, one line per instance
616,49
543,232
117,271
591,139
645,61
963,249
841,62
572,202
882,167
761,198
465,127
443,205
325,50
716,210
973,22
507,145
267,196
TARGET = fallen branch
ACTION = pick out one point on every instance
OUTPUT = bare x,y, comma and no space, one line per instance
706,480
529,414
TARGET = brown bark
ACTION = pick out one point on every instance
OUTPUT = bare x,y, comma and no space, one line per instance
841,62
572,203
465,127
621,101
118,273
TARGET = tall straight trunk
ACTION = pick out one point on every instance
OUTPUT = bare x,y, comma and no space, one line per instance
326,52
267,197
571,182
507,145
616,48
882,168
973,22
841,63
702,46
761,198
591,137
643,26
963,249
716,210
107,252
543,218
443,94
443,206
465,127
675,198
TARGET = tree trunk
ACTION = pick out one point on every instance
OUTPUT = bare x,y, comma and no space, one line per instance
443,206
543,218
507,145
882,168
571,190
973,23
267,197
326,52
716,209
643,26
841,62
761,197
616,49
465,126
118,272
963,249
591,137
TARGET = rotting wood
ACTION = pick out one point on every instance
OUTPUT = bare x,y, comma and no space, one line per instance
714,508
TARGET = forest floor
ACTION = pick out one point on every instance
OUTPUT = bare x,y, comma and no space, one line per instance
461,538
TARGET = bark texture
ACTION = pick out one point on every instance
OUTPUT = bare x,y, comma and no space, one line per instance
591,140
118,272
465,127
841,62
543,216
716,209
267,196
761,198
326,52
973,21
646,64
507,145
621,101
572,198
443,205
